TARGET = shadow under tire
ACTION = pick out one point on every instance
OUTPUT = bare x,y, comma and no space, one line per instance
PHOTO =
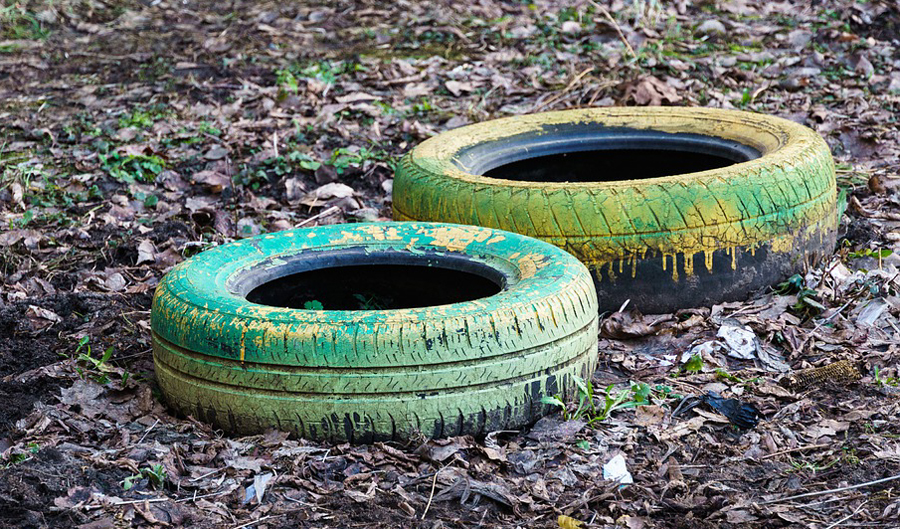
468,366
667,207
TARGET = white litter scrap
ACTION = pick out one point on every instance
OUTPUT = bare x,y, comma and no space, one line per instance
871,311
617,470
739,340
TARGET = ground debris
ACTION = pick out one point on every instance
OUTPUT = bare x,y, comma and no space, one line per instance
138,134
840,372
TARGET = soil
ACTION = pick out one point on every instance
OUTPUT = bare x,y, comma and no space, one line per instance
137,134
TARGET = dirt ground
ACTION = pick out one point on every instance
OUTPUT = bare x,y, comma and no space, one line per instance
137,133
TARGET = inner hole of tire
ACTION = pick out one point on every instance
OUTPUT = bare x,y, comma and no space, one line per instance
373,287
610,156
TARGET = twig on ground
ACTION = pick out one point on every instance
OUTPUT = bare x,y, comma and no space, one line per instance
182,500
152,426
789,450
851,515
431,496
254,522
615,26
830,491
823,322
565,90
318,216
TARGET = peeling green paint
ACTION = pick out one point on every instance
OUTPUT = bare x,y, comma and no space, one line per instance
362,375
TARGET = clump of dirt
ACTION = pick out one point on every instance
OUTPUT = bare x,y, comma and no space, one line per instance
17,398
34,341
40,491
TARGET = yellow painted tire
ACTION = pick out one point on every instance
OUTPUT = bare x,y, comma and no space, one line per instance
664,242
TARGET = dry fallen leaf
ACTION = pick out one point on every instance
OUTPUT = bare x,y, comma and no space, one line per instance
630,324
651,91
322,195
213,180
146,252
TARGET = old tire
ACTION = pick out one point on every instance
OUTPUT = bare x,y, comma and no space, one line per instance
365,375
663,240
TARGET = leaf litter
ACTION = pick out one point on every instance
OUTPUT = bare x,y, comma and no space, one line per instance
137,136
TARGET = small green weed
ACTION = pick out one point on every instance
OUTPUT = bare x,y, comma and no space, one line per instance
808,466
343,159
848,177
725,375
279,166
370,302
694,364
21,457
850,456
18,24
868,252
745,100
597,408
313,305
47,192
328,71
42,189
155,474
807,305
98,368
143,118
132,168
793,285
287,83
882,381
22,173
422,107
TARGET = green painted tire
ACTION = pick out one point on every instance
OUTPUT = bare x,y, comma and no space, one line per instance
365,375
664,242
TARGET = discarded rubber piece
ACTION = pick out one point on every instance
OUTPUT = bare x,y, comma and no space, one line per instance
840,372
741,414
365,375
668,207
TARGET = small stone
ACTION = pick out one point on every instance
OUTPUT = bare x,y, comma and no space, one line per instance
711,27
799,38
280,225
570,26
115,282
217,152
126,134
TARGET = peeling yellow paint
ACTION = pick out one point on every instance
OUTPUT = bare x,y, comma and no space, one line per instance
348,237
455,238
381,233
528,264
765,201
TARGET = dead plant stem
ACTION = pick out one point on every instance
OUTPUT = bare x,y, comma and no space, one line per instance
830,491
431,495
616,26
789,450
851,515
